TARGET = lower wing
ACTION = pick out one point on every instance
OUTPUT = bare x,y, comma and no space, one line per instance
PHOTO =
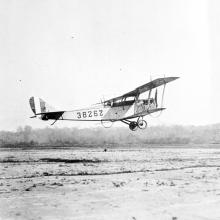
143,113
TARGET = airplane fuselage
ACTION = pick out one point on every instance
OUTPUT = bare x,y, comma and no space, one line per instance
106,113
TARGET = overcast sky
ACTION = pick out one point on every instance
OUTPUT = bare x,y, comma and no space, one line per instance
72,53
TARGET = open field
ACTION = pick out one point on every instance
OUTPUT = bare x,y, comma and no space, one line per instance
136,183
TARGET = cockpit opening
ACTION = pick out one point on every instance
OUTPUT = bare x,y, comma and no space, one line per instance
120,103
148,101
129,102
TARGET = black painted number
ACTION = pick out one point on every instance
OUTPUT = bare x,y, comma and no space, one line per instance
101,112
89,114
95,113
78,115
84,114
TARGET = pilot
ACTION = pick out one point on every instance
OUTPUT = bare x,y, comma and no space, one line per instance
140,102
152,103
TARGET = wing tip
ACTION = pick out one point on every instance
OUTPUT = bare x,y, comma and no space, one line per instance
171,78
176,77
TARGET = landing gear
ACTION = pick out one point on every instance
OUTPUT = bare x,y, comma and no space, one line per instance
142,124
134,125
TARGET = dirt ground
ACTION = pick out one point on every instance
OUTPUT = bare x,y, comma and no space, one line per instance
126,184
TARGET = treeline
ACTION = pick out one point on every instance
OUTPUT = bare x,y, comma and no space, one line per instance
26,136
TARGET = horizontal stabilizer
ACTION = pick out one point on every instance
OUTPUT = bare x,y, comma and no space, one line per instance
51,115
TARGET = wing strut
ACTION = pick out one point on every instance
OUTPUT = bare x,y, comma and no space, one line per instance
161,105
163,95
148,100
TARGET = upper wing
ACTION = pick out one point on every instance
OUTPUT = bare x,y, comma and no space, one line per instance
148,86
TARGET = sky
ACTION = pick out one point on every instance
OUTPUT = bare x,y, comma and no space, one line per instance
72,53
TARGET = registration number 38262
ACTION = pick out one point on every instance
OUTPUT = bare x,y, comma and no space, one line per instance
89,114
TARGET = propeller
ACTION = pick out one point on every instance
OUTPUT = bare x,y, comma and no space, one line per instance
155,98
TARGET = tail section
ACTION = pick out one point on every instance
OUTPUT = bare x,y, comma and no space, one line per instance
44,111
39,106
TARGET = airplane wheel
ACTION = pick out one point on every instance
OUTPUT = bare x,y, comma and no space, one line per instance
142,124
133,126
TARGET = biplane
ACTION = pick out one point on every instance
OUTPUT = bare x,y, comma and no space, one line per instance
128,108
